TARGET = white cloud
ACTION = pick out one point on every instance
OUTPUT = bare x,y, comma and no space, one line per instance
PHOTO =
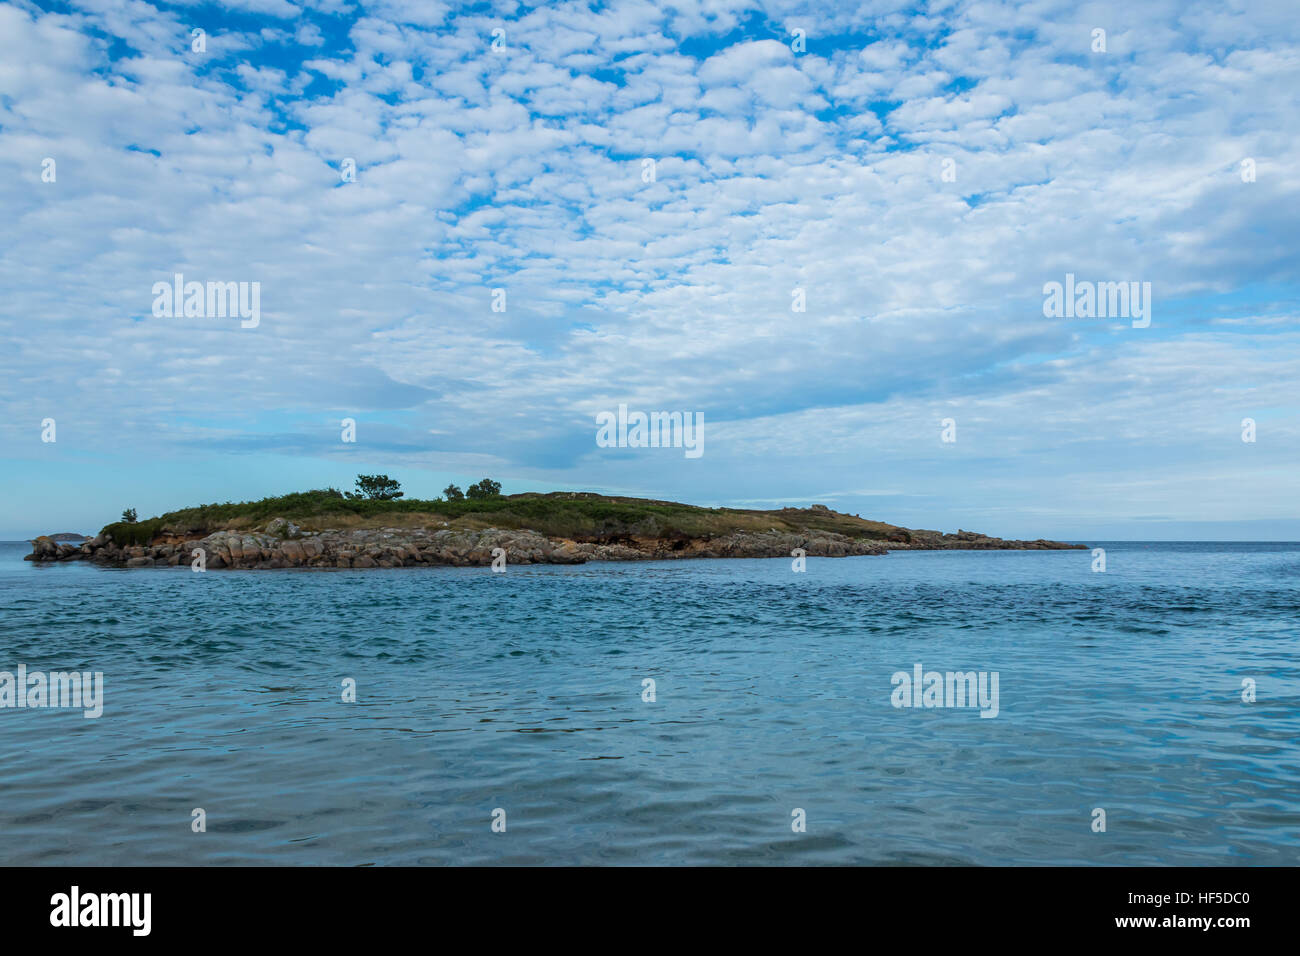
523,171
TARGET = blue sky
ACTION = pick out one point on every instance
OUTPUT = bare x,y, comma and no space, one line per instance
776,168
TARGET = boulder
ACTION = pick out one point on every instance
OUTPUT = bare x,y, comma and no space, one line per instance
282,528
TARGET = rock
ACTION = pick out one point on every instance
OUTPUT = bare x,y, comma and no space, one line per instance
565,552
44,549
285,545
251,548
282,528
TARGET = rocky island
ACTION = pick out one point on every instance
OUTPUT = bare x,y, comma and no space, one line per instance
328,529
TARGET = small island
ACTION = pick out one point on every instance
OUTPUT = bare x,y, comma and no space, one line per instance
377,527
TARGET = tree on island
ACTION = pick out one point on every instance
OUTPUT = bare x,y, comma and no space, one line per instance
377,488
129,516
479,491
487,488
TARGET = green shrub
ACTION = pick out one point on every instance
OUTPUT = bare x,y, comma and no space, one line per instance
133,532
377,488
487,488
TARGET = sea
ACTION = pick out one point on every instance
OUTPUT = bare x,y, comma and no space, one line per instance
692,712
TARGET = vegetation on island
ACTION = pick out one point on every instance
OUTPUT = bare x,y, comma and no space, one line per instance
578,516
375,488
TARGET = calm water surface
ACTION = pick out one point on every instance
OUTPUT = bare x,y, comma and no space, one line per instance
523,691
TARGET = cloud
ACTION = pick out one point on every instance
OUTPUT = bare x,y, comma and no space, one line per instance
774,171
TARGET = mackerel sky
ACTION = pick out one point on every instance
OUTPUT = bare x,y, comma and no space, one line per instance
776,169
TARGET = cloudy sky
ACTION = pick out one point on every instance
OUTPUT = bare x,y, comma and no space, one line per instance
918,170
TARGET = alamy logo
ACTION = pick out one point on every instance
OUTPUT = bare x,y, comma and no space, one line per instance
56,689
1098,300
103,909
216,300
652,430
952,689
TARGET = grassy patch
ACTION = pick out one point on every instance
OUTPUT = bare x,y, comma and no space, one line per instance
577,515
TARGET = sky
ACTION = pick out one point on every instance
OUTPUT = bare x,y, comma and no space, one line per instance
913,174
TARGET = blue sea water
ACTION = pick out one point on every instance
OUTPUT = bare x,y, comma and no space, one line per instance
523,692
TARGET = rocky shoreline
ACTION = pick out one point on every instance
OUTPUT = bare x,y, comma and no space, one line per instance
283,544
